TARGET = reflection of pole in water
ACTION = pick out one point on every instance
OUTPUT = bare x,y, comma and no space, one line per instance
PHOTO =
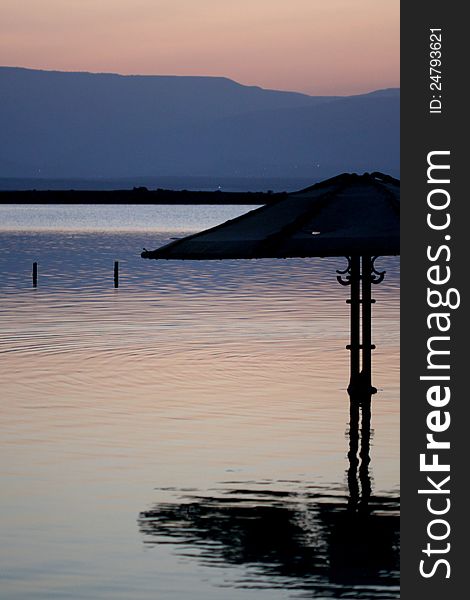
359,455
353,483
364,475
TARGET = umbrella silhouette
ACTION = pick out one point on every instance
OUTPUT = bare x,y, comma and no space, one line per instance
356,216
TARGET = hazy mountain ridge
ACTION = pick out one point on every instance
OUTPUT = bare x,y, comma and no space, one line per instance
58,124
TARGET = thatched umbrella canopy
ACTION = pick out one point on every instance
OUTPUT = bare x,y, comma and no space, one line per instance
346,215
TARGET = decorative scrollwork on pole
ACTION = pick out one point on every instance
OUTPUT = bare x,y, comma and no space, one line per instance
345,280
376,277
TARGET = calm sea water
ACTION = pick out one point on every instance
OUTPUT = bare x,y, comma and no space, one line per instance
186,435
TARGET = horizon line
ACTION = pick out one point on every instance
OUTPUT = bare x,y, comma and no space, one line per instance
85,72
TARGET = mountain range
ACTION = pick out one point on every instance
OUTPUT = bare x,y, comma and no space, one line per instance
86,125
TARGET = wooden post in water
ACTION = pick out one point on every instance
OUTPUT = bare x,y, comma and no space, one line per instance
116,274
35,274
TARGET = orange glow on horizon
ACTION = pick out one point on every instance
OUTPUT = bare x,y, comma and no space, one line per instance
313,46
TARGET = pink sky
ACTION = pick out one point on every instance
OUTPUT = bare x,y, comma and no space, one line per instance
313,46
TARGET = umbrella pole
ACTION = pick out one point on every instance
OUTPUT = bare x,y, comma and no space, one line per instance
355,322
353,279
360,386
367,346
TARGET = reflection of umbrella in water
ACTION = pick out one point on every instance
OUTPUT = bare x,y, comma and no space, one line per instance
350,215
282,540
322,543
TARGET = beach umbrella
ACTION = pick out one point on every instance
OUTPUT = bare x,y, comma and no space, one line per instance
356,216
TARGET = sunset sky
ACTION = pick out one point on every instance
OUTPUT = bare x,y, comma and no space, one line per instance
313,46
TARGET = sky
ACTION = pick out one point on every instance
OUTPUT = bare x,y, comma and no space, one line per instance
312,46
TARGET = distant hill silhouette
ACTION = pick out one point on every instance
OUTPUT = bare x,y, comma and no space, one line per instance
74,125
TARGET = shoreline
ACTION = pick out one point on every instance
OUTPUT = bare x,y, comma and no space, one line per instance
139,195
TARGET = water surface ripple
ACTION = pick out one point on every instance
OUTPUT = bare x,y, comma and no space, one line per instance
184,435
